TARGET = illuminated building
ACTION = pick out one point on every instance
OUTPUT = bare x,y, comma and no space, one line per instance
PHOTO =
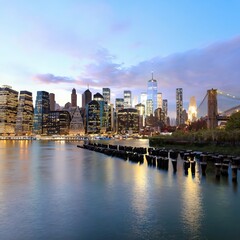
179,106
192,110
41,110
159,100
74,98
128,121
24,123
149,107
52,101
152,94
141,112
58,123
127,95
93,118
106,95
8,110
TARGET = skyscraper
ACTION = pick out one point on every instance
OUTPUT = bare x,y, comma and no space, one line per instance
119,104
127,95
41,110
165,109
24,123
93,117
8,110
102,111
52,101
159,100
179,106
152,93
86,98
192,110
74,98
106,95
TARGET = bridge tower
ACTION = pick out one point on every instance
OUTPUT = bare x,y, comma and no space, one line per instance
212,109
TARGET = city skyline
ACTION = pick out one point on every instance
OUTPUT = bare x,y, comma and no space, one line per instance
58,46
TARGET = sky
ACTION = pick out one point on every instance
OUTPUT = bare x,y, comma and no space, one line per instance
56,46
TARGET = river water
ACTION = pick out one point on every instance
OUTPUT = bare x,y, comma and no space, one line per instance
54,190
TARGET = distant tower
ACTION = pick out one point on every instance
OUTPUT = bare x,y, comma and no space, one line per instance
179,106
127,99
74,98
52,101
24,123
165,109
106,95
152,93
8,109
41,110
86,98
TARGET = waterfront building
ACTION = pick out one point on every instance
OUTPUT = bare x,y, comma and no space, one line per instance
103,111
58,123
74,98
128,121
41,110
76,124
119,104
24,122
192,110
179,106
127,95
93,125
106,95
152,94
8,110
86,98
159,100
52,101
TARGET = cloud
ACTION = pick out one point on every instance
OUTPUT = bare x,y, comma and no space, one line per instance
52,79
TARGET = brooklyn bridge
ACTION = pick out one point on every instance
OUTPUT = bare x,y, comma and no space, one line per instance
217,106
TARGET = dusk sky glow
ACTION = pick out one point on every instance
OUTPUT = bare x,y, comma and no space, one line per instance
59,45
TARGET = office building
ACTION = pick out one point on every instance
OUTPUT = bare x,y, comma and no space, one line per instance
76,124
119,104
106,95
93,118
127,96
192,110
128,121
41,110
149,107
86,98
165,109
8,110
159,100
24,122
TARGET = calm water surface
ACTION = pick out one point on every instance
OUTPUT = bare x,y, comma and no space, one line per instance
54,190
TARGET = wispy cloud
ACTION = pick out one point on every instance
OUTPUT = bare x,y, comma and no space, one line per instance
52,79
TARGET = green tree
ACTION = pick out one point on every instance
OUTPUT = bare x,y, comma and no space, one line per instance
234,122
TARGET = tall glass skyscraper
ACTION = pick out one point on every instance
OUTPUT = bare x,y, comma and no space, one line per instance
24,123
152,94
8,110
106,95
41,110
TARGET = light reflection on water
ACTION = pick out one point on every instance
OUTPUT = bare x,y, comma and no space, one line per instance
54,190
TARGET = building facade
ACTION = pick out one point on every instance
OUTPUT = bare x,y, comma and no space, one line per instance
76,124
106,95
52,101
74,98
119,104
8,110
24,122
128,121
86,98
93,118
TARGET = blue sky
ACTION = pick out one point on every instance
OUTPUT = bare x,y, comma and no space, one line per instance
59,45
